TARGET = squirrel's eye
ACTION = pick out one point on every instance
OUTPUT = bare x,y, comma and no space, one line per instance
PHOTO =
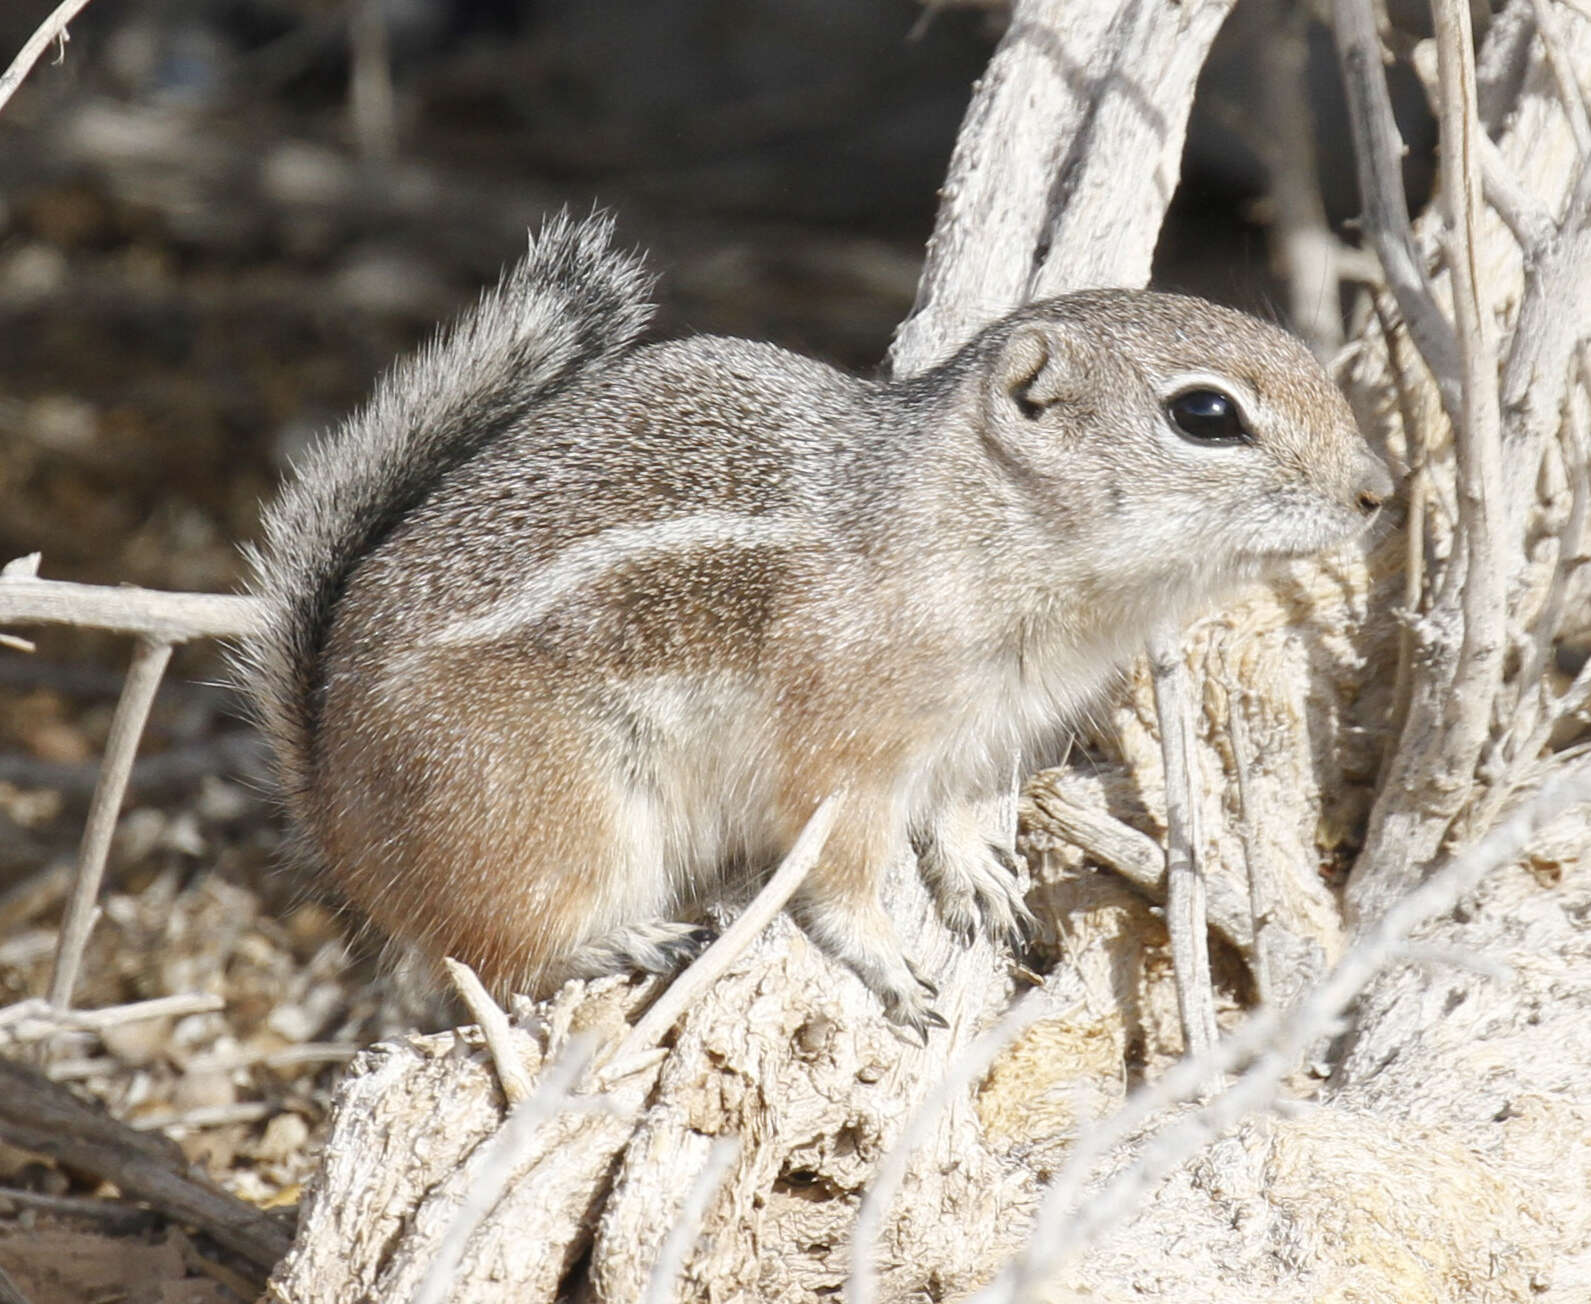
1208,416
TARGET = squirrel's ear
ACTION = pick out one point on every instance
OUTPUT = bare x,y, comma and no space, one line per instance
1039,365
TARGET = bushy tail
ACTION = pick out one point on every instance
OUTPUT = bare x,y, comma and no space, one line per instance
571,304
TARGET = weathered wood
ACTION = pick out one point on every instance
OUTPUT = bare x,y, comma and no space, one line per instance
47,1119
1037,200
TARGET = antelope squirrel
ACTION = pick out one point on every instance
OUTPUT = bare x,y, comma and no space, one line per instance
561,625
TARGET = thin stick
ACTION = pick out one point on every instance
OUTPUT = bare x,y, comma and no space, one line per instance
497,1030
1417,488
1570,701
10,1292
712,962
205,1116
1549,620
1262,891
1378,152
1274,1043
40,1116
687,1227
31,1019
122,1216
1135,856
148,613
371,102
51,29
1185,904
127,725
1525,217
1478,435
1302,241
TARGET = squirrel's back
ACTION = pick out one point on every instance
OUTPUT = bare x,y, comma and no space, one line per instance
571,306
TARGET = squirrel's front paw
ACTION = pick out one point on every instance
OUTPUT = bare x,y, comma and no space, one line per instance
909,1007
862,936
974,882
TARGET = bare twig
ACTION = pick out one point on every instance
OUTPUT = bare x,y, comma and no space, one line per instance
33,1019
10,1292
305,1052
1273,1043
1456,674
138,694
371,103
1571,700
688,1225
1305,250
1524,215
1137,857
148,613
1185,891
1549,619
712,962
1378,152
1036,200
1262,888
176,768
51,29
1417,492
118,1217
496,1029
203,1116
1478,435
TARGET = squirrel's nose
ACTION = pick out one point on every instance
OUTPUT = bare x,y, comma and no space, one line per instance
1374,488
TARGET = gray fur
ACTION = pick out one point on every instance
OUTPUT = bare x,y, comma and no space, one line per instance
564,625
568,306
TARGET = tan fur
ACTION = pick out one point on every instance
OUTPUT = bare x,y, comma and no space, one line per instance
535,687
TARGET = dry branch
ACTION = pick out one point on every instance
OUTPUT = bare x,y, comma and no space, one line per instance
1378,152
1185,887
506,1050
50,30
39,1116
712,963
1036,201
31,1020
127,726
146,613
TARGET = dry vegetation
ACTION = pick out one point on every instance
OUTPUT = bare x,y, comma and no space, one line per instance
1378,798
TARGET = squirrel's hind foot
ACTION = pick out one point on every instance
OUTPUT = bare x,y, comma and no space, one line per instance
657,946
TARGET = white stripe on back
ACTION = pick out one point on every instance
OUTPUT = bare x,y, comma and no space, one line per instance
586,561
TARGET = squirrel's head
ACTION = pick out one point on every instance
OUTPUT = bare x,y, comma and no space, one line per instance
1160,432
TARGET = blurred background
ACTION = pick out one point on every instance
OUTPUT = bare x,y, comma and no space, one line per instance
219,219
